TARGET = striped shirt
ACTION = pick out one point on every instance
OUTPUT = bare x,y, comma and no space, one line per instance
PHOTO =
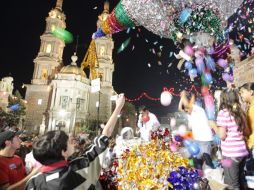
233,145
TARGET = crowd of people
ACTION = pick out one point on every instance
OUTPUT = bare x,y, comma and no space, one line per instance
58,160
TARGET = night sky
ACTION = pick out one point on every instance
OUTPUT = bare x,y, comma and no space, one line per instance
146,65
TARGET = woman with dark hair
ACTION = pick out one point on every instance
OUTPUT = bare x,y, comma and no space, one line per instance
231,123
247,94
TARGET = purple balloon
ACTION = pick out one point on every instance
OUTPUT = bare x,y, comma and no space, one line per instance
223,63
225,76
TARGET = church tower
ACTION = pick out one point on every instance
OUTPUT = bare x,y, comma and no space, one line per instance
46,65
104,69
50,54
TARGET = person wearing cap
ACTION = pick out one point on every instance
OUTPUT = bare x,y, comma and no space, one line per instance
12,170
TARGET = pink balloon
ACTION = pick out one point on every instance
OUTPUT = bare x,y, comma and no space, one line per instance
226,163
173,147
208,99
189,50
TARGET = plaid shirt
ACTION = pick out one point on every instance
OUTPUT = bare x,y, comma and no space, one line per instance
81,173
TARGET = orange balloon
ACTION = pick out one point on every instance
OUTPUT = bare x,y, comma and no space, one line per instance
188,135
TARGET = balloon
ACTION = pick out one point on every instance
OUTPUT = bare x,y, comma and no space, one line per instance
184,16
184,152
188,65
172,122
231,78
222,63
182,129
15,107
178,138
208,77
210,63
225,76
193,73
146,118
200,65
204,90
189,50
188,135
191,162
187,142
209,107
216,139
203,80
226,163
63,34
173,147
166,98
194,149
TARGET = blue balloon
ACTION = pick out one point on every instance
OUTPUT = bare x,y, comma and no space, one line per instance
187,142
193,72
14,107
216,139
188,65
208,78
210,112
194,149
210,63
184,16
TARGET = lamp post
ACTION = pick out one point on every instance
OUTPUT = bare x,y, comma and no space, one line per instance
98,109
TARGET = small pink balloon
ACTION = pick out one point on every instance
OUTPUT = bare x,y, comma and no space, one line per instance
189,50
182,130
173,147
227,163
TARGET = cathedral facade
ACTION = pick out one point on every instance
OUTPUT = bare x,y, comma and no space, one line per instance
60,97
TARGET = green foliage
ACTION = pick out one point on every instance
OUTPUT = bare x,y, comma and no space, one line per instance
14,117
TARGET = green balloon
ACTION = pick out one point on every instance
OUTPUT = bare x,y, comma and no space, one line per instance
191,162
63,35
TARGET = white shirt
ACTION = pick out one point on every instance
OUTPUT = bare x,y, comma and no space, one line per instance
198,122
146,128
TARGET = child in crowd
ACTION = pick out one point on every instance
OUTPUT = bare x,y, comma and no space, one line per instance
230,125
53,149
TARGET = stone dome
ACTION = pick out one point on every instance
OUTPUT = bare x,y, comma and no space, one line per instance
73,68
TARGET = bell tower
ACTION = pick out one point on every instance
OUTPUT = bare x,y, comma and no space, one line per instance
46,64
51,49
104,69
